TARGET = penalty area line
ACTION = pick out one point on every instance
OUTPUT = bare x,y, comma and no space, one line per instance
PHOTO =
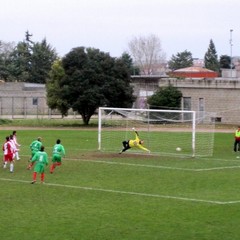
154,166
130,193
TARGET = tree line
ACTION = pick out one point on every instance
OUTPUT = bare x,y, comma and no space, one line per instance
27,61
86,78
184,59
82,80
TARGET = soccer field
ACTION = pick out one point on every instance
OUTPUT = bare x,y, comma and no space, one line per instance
96,195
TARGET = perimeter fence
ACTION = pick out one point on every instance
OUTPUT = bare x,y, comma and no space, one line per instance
29,107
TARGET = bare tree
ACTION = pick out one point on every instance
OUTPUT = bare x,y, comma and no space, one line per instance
147,54
6,48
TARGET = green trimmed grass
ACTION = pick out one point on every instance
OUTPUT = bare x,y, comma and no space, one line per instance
110,196
48,122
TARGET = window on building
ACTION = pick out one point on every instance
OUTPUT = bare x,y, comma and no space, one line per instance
35,101
201,108
145,93
201,105
187,103
216,119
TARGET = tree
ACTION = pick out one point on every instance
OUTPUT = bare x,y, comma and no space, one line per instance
91,79
147,53
54,98
165,98
181,60
211,59
20,63
30,61
6,48
42,58
134,70
225,62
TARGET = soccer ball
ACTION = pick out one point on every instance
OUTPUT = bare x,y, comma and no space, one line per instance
178,149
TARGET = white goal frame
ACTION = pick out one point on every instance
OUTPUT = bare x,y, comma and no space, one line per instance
193,119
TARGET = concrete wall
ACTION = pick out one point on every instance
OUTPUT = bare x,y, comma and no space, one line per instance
18,98
220,96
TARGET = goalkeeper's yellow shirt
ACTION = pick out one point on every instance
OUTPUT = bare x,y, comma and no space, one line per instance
135,143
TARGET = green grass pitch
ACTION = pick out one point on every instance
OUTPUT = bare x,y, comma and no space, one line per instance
96,195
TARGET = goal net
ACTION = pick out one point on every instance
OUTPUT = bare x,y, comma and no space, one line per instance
165,132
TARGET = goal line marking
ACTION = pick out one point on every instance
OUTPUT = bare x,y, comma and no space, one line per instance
130,193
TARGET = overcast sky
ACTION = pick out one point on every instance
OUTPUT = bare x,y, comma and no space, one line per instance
109,25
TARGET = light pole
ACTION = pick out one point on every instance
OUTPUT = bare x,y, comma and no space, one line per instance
231,44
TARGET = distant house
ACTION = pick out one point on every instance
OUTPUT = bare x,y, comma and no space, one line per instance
193,72
198,62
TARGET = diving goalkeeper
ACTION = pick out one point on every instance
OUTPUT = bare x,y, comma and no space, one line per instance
137,142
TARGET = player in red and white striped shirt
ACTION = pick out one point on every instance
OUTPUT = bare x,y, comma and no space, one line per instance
8,152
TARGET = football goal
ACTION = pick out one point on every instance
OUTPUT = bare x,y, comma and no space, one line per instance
165,132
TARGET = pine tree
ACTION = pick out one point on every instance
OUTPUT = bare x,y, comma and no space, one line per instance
211,59
181,60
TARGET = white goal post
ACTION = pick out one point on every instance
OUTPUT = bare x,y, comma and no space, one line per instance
168,132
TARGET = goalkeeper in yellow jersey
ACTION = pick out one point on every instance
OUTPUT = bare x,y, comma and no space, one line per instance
136,143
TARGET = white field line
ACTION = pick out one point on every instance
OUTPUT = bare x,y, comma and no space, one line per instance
155,166
216,168
161,167
130,193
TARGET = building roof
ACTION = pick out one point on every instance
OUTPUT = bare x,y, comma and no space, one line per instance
193,69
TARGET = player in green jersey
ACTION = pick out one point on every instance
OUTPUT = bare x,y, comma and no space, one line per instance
35,146
58,153
40,159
